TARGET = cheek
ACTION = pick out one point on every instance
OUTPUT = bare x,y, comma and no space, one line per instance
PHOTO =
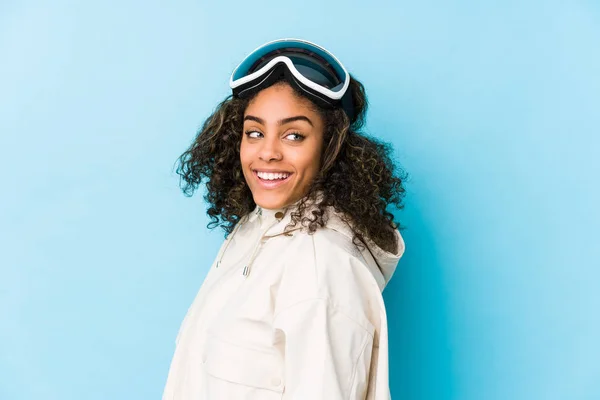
310,163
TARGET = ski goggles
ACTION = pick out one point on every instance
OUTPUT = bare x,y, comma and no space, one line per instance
316,72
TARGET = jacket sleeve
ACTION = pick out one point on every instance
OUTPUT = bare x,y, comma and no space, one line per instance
326,354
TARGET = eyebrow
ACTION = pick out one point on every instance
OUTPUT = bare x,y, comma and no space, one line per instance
281,121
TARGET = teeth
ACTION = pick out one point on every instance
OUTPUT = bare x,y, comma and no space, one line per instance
271,176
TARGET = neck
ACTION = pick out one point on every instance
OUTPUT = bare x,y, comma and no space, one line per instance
271,211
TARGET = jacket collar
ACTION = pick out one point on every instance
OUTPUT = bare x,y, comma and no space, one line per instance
265,216
278,219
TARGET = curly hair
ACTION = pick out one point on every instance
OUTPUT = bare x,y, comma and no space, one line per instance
358,177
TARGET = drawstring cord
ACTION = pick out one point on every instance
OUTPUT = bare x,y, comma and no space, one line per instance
246,270
228,239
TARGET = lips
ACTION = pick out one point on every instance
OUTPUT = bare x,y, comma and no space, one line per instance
271,184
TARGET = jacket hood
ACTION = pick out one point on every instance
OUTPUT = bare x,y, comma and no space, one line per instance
383,263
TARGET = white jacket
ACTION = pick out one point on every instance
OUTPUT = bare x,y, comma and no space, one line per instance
287,316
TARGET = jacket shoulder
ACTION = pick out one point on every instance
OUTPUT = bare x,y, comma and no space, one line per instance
326,265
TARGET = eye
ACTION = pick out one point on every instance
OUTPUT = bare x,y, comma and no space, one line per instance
252,134
298,136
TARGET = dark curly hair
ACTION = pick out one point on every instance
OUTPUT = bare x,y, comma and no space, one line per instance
357,177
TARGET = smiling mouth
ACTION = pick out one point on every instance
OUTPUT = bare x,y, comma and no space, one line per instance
271,183
272,175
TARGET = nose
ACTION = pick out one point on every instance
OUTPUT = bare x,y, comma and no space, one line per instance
269,149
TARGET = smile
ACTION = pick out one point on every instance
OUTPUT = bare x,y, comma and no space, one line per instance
270,180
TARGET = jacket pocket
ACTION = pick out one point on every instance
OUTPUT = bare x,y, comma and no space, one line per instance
235,371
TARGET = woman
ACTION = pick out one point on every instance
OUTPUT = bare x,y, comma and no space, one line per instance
292,307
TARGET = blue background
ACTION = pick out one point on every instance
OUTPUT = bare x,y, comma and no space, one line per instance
493,109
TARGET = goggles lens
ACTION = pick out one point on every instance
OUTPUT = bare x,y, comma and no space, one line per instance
314,70
310,65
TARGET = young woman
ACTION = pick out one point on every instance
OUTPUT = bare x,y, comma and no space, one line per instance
292,307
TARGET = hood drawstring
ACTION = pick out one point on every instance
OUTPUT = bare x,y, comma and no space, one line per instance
228,241
246,270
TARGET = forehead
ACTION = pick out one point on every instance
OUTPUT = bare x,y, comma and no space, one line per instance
280,99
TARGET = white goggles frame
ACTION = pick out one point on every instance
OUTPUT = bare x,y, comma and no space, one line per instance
334,95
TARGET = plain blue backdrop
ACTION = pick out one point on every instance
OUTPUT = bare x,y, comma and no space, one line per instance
492,108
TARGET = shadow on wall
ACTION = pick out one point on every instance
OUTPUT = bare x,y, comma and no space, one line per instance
420,350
